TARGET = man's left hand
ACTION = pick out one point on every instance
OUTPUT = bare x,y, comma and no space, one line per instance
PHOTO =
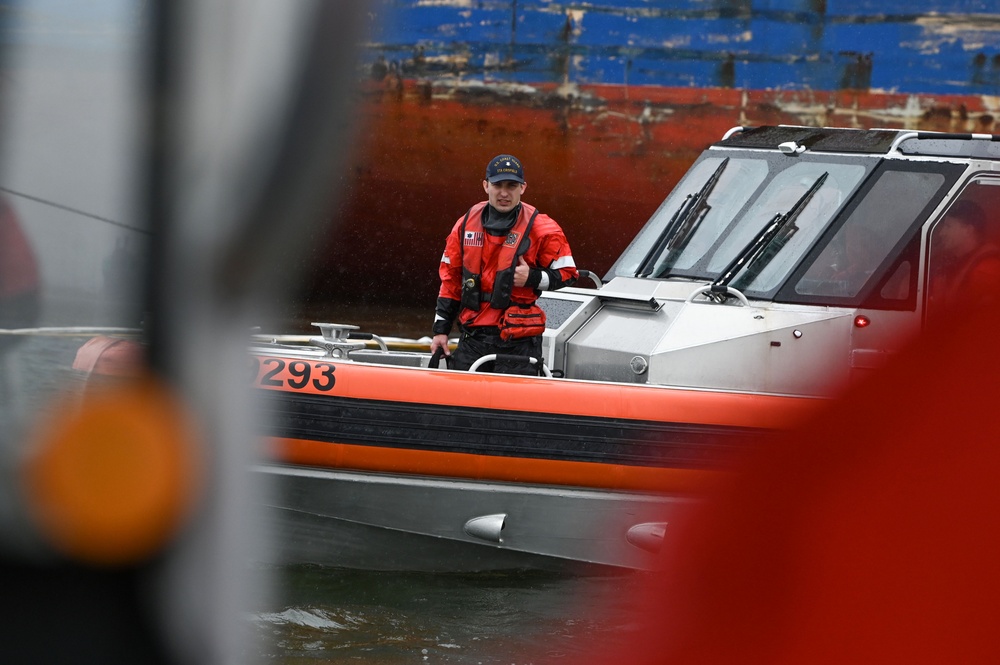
521,272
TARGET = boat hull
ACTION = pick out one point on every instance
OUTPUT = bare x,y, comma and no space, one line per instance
384,468
403,522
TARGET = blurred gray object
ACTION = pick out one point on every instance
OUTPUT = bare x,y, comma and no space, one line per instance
165,160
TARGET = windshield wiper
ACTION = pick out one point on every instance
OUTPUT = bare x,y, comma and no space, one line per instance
680,228
759,252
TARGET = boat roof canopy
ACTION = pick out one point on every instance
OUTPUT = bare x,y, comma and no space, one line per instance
795,139
815,139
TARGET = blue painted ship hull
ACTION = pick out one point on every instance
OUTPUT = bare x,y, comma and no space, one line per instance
919,46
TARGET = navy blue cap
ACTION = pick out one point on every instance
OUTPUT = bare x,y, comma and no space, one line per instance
505,167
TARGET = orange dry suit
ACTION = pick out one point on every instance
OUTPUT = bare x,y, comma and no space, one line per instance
477,268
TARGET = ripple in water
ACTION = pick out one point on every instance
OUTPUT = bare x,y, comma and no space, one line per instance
493,618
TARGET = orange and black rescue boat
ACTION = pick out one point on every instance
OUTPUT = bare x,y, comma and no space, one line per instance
404,467
787,264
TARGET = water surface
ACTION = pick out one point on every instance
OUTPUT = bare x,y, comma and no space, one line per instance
325,615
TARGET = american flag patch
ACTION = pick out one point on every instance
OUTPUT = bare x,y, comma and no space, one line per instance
473,239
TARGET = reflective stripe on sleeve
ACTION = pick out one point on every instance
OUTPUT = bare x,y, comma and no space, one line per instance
563,262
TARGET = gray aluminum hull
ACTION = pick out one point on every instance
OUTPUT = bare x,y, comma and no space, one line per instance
388,522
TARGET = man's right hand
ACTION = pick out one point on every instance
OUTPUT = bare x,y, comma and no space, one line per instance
440,342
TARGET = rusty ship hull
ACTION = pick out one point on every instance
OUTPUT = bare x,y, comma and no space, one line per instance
607,103
598,159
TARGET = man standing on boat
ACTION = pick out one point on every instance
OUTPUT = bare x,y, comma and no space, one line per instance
497,260
965,261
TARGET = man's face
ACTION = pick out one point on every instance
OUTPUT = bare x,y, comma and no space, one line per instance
955,238
504,195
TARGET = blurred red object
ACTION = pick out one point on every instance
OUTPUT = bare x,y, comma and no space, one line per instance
871,536
109,356
19,280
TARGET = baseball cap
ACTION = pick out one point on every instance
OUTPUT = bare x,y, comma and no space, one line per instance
505,167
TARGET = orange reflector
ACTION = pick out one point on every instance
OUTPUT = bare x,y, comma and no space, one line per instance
113,478
861,321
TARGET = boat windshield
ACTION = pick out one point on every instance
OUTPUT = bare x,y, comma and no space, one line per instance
737,180
747,195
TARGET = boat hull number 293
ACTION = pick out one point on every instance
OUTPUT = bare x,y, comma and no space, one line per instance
282,373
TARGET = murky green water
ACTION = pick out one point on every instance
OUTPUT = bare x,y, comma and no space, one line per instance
323,615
